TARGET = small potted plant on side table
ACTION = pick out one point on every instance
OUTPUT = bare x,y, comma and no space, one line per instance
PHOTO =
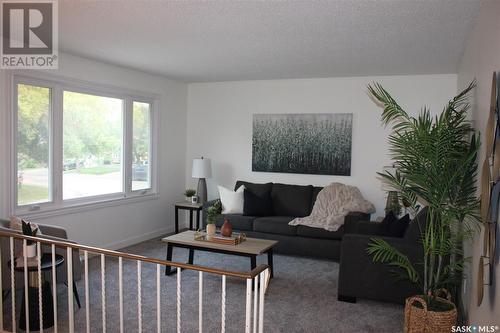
30,245
212,213
189,194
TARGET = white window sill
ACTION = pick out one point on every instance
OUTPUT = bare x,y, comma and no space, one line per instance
82,207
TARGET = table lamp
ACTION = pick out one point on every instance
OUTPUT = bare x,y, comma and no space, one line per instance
202,168
392,203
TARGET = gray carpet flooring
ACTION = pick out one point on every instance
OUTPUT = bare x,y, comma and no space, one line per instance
302,297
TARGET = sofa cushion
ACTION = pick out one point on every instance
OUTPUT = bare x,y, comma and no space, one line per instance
258,189
315,192
275,225
291,200
306,231
239,222
257,205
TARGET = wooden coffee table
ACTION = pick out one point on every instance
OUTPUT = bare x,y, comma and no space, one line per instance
251,248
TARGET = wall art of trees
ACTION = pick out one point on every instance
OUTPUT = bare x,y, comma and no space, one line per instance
302,143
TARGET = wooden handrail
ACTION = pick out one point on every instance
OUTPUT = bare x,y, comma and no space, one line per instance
242,275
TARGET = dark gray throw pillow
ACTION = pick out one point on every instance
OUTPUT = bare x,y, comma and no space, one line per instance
398,228
259,204
384,229
391,226
291,200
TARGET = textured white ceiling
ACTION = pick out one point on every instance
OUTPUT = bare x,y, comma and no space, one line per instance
226,40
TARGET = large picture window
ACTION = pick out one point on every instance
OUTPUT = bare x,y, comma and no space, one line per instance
141,146
78,146
92,145
33,144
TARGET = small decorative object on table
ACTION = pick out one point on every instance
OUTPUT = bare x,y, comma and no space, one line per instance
189,193
235,239
212,212
227,228
28,230
194,199
211,229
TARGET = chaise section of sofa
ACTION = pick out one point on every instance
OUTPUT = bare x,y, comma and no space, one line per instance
289,202
360,277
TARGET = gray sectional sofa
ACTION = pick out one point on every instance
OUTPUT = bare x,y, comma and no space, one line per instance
288,202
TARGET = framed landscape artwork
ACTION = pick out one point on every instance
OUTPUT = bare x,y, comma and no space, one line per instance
302,143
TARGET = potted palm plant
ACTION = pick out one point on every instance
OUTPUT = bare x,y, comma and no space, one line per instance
435,166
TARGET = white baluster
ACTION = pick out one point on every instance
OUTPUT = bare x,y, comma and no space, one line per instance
120,290
40,305
103,292
261,302
158,299
71,313
200,302
255,302
223,305
13,284
267,276
139,295
87,291
54,284
248,314
179,300
26,298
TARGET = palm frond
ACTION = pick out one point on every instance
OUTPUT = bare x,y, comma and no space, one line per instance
383,252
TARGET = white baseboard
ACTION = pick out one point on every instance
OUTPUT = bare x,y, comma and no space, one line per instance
137,239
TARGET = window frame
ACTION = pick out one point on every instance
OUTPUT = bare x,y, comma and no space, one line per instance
56,205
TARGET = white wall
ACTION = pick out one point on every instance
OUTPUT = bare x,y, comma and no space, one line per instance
220,123
114,227
481,58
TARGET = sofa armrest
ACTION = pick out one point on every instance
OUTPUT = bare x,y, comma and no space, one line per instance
368,228
352,219
359,276
54,231
361,241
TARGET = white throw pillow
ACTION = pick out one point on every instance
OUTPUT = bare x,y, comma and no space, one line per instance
232,202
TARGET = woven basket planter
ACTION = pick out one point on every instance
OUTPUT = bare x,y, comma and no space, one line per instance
422,320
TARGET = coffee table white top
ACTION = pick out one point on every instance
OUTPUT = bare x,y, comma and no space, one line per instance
249,246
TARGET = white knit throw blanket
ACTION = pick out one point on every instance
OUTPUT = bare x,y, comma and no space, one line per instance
334,202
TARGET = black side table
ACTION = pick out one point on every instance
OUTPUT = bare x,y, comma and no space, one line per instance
47,300
197,207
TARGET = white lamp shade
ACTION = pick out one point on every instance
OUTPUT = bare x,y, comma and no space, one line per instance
202,168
